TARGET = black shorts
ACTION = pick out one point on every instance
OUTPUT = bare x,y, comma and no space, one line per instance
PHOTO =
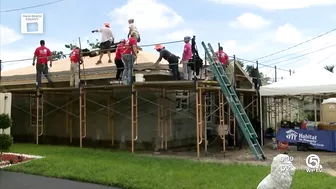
105,45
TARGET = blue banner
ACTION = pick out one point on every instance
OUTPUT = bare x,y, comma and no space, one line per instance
324,140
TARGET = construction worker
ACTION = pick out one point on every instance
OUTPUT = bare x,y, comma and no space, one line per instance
117,60
107,40
186,57
129,56
76,60
222,57
42,54
171,59
196,62
133,28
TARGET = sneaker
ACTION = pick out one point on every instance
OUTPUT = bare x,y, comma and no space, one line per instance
114,82
110,61
98,62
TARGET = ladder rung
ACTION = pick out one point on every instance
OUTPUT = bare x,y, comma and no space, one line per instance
233,100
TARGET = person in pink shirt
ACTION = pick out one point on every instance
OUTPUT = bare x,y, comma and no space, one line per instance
186,57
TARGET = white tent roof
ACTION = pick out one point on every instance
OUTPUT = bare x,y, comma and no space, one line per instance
310,80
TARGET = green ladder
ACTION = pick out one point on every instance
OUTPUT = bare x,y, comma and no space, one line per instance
235,104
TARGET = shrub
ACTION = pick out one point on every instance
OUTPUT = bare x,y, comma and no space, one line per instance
5,121
6,142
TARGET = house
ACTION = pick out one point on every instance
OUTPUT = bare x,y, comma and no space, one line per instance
162,112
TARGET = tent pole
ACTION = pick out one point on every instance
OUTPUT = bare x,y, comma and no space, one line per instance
261,122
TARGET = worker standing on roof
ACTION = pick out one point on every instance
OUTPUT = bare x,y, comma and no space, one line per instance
107,40
171,59
222,57
129,56
117,60
76,60
186,57
133,28
43,55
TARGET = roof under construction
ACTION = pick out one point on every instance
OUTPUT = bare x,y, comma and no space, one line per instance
60,69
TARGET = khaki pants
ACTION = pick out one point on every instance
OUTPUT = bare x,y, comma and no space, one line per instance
74,74
187,73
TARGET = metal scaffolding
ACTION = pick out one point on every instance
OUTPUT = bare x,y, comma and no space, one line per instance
203,90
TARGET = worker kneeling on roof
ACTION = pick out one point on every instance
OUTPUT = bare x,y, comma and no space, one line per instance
171,59
76,60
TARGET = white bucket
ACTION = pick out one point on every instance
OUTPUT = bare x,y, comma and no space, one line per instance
139,78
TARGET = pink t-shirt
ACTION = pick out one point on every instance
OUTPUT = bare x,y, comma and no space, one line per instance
187,54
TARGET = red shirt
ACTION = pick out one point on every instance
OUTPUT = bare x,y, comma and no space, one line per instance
74,56
129,42
223,57
42,53
120,49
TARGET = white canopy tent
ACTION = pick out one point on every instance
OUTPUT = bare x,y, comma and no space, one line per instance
309,80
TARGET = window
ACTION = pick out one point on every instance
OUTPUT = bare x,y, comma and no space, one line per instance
182,100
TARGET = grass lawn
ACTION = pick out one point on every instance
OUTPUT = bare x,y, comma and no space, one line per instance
122,169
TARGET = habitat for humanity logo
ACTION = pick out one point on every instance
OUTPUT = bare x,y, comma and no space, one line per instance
31,23
291,134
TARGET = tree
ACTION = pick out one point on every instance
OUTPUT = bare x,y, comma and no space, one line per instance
70,46
6,141
57,55
241,64
330,68
94,45
253,72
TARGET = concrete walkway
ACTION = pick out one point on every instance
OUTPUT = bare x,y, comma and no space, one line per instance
9,180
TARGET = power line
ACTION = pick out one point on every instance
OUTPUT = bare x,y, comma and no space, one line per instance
296,61
279,58
274,59
265,65
303,55
30,7
332,54
148,45
321,35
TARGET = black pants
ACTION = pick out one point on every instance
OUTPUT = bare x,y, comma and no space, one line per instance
120,68
195,66
173,65
42,69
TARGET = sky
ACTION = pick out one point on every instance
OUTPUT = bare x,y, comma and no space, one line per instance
248,29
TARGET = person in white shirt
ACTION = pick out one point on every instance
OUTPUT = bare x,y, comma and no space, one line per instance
133,28
107,40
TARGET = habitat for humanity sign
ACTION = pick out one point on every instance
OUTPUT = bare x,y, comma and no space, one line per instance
31,23
319,139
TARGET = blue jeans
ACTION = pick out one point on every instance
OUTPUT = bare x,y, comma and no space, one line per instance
128,60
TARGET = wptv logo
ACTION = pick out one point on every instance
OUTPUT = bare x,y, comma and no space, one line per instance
313,163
